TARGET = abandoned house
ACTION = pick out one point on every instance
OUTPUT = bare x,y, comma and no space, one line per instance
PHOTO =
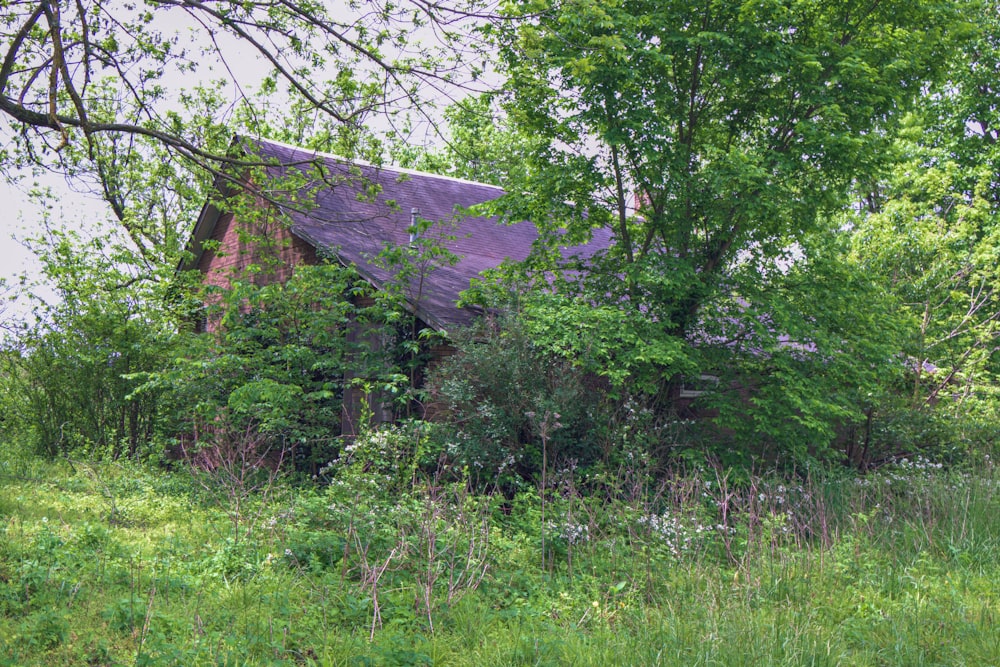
332,209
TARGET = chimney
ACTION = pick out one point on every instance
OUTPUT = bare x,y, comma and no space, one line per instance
414,232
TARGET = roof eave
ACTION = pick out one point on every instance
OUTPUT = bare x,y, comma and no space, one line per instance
203,230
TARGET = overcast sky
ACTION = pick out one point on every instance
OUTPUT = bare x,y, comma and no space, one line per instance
21,218
13,258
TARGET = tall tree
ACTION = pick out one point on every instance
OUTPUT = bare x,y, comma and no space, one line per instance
931,228
715,140
708,136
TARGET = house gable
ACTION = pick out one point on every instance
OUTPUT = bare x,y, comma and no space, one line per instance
351,212
230,253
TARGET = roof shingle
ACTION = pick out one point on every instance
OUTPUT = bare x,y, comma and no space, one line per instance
350,219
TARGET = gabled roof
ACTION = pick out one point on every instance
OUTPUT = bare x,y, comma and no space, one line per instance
354,209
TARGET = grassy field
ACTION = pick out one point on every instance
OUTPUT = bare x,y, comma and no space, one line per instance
112,564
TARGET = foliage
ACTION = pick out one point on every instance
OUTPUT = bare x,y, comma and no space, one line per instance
496,391
391,457
783,368
933,242
927,232
706,136
623,346
101,78
280,359
897,567
68,376
803,355
715,143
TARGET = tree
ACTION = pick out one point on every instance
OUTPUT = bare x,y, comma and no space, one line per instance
277,369
962,115
934,242
93,87
716,141
804,358
498,389
928,231
69,373
709,137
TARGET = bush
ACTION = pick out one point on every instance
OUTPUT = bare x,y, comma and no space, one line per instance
392,455
67,375
278,361
502,395
937,433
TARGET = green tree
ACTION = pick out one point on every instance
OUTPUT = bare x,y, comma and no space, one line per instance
69,371
707,137
503,397
275,371
125,98
962,117
928,230
804,356
716,142
934,241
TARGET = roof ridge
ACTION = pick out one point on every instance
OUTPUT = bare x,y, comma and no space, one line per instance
365,163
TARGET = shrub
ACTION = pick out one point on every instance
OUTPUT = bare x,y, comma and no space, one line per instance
501,395
278,361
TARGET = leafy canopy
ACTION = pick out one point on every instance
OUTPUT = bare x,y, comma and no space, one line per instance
707,135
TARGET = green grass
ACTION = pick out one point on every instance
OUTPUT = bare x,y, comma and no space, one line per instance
105,564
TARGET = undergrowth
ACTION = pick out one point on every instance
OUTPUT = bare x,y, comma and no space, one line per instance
117,564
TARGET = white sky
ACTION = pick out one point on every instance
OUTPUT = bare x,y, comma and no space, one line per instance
13,257
22,218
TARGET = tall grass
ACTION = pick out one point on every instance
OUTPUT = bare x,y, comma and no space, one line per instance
106,564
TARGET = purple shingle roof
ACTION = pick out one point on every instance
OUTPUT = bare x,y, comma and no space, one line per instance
352,210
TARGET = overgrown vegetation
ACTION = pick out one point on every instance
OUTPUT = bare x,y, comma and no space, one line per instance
813,233
274,369
115,563
756,428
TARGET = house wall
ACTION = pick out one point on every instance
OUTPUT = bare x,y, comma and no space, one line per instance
434,408
266,253
272,247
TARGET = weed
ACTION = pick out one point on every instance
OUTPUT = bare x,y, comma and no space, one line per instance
694,567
